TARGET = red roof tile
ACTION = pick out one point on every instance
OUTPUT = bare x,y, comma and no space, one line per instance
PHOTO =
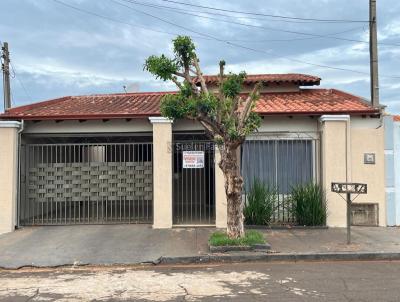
313,101
396,118
132,105
296,78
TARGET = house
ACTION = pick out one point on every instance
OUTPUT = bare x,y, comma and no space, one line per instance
392,160
113,159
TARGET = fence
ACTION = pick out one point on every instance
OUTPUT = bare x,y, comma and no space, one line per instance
86,183
281,161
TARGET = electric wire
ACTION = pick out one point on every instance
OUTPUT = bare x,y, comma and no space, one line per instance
268,28
265,15
246,47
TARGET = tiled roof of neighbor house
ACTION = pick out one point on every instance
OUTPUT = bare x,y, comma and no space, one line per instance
396,118
295,78
132,105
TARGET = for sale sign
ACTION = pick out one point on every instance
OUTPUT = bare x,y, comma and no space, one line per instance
193,159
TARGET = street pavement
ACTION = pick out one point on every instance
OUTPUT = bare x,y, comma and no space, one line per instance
301,281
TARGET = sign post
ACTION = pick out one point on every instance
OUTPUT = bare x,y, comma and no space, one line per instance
348,189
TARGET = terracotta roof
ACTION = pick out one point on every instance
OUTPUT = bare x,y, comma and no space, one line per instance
313,102
296,78
396,118
132,105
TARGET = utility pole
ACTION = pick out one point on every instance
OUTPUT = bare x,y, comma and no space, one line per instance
373,54
6,76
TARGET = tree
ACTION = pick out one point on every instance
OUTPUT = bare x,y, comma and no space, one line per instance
226,115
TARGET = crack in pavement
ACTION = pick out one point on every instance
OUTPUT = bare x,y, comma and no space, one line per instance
34,296
184,298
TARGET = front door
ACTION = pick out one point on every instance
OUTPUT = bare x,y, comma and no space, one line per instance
194,183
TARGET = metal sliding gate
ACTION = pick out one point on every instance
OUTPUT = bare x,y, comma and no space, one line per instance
86,183
194,184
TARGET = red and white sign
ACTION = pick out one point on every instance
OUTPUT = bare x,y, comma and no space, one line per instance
193,159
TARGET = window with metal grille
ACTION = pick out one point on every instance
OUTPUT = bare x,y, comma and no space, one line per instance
279,163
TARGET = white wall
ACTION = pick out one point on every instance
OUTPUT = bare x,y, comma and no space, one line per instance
89,126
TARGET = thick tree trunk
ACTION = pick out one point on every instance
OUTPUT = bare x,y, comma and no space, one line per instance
233,189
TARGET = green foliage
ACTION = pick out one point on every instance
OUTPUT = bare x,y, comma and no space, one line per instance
260,204
184,50
162,67
232,86
309,204
252,123
176,106
218,111
251,237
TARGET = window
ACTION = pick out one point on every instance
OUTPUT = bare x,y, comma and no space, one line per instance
280,163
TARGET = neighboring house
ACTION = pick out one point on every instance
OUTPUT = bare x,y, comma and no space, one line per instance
113,159
392,162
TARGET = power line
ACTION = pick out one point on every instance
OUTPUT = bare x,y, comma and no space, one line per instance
115,20
246,47
268,28
266,15
171,8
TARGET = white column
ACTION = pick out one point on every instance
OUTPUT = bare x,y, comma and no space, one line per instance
162,172
8,175
335,156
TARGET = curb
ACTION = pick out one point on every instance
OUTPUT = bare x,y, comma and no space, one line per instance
235,257
239,248
284,227
279,257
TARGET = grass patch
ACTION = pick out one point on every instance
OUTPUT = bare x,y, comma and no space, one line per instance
251,237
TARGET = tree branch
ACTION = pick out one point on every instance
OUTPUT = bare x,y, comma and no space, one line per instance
221,96
177,83
200,76
244,114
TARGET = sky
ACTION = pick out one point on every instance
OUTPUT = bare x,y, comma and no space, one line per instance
90,47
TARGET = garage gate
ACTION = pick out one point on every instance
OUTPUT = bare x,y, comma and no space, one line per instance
86,183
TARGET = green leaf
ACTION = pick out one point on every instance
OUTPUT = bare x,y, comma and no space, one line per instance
232,86
162,67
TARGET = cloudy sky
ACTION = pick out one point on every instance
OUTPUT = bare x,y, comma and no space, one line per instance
86,46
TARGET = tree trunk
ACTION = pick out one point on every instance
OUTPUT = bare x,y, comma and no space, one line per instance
233,190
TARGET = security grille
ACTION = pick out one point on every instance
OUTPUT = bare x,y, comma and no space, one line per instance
86,183
281,161
193,188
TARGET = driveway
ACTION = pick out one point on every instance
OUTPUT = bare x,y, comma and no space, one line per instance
98,244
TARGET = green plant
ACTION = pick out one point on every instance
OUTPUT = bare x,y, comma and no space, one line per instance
309,204
251,237
260,204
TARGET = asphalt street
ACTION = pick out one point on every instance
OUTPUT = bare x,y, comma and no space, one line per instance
305,281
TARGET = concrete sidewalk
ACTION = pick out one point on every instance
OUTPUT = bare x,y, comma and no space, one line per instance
98,245
133,244
364,239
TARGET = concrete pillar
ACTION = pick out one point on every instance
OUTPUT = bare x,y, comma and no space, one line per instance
396,160
390,171
8,175
335,157
220,197
162,172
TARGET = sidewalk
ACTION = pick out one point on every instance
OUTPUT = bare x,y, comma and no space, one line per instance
135,244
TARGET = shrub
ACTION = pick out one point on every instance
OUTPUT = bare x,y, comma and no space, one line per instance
251,237
309,204
260,204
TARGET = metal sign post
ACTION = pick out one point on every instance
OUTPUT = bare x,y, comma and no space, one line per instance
348,189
